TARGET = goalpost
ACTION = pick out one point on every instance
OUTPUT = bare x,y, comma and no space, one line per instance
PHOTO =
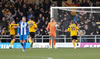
85,15
66,8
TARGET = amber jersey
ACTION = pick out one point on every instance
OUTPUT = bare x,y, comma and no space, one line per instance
32,25
73,30
12,28
52,28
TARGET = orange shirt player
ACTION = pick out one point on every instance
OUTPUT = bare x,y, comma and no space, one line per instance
52,29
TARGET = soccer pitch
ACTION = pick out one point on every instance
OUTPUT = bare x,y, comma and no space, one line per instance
43,53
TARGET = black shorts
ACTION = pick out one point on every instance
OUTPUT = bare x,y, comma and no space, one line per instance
74,37
32,34
12,37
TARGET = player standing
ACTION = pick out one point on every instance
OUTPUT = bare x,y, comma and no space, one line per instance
73,33
52,29
12,32
32,27
23,31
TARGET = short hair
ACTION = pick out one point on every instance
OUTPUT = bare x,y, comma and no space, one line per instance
52,17
72,21
31,18
24,17
11,21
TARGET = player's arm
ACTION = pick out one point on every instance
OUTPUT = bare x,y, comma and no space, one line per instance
67,30
27,28
28,22
78,30
14,25
18,30
48,27
17,25
35,25
10,26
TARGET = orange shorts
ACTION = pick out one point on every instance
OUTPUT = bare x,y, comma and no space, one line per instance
53,35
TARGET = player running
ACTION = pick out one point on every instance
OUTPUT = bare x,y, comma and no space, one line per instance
32,27
52,29
12,32
23,31
73,33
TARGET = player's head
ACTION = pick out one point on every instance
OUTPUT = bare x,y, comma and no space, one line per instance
72,22
12,22
52,19
23,19
31,18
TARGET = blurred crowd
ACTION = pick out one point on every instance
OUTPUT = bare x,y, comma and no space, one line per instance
85,21
16,9
85,3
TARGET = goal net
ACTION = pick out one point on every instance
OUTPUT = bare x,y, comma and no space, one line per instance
87,18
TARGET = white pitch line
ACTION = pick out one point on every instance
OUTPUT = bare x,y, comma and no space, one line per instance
50,58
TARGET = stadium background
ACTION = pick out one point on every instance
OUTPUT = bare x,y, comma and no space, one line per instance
40,11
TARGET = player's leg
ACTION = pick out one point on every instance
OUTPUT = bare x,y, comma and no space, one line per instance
21,42
30,38
21,38
24,41
73,41
12,40
49,43
54,43
54,40
76,40
51,40
30,41
24,44
32,35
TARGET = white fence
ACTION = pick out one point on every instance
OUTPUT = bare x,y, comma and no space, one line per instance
64,38
86,41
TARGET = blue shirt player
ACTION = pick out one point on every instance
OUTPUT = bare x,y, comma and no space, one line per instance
23,32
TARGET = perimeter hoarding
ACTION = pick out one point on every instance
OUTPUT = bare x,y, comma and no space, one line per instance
46,45
90,45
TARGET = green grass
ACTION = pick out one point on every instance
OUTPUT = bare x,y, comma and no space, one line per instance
59,53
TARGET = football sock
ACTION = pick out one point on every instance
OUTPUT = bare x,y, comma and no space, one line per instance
31,44
74,44
77,41
49,43
30,41
54,42
12,41
24,45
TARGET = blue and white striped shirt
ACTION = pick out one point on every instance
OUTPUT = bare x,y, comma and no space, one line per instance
23,28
